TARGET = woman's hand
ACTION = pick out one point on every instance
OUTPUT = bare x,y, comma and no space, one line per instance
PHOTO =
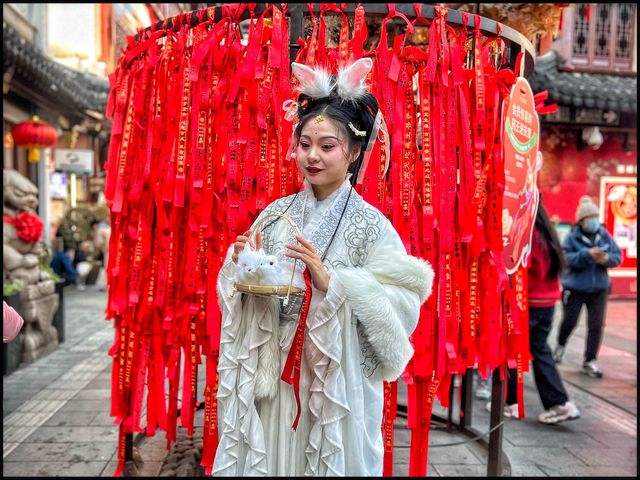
241,241
312,260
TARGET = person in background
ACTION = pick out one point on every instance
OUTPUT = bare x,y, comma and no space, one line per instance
101,235
546,263
590,252
62,264
81,262
11,323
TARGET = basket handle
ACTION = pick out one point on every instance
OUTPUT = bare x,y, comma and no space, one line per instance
296,230
256,228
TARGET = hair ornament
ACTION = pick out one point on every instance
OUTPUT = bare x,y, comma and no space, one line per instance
380,132
349,84
356,132
290,108
350,81
314,83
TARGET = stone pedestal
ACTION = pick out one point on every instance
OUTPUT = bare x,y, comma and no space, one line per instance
39,305
58,318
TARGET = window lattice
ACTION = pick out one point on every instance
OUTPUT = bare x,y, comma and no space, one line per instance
581,32
626,13
603,30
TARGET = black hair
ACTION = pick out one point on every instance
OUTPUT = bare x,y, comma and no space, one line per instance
550,235
361,114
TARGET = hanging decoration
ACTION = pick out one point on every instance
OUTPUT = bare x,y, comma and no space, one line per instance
199,147
197,151
34,134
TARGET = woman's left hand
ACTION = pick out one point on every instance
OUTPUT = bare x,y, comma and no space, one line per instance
312,260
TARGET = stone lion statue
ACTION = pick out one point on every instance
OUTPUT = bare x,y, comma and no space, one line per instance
20,261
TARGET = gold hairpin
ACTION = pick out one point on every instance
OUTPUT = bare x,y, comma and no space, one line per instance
319,119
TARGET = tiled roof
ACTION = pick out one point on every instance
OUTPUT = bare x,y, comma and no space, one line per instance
591,90
61,85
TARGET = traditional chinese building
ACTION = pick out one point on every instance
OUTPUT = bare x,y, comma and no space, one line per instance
589,144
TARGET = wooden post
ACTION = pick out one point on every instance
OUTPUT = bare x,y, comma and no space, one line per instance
494,464
466,400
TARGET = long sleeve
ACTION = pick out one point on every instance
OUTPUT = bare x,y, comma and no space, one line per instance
577,255
615,255
385,296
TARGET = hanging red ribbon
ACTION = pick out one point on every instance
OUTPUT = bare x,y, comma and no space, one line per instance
291,371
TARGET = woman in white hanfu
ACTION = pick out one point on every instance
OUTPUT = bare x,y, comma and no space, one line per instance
365,303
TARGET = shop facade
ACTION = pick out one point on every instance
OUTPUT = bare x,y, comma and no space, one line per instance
589,144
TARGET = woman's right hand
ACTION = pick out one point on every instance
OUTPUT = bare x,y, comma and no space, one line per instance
241,241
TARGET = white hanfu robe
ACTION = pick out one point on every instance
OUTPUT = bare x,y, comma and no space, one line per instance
356,336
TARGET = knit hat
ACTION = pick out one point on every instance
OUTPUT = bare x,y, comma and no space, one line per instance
586,208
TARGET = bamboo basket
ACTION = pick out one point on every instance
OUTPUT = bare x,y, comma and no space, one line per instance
279,291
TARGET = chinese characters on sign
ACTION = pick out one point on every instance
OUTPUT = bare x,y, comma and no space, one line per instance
522,161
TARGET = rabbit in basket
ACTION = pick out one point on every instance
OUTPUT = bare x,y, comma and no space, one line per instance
255,267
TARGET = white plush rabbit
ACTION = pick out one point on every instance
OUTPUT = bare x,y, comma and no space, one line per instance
249,261
271,272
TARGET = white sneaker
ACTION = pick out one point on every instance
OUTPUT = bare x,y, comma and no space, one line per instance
591,369
559,413
483,390
510,411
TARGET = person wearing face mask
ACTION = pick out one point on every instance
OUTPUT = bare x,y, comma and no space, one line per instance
590,251
365,296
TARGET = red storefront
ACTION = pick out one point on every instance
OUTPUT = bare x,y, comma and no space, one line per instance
589,144
569,172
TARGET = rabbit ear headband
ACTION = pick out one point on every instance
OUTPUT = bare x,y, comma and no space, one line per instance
349,83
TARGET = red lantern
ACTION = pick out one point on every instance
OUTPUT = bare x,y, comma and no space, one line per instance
34,134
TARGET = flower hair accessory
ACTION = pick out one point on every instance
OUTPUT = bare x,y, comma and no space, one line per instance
290,108
356,132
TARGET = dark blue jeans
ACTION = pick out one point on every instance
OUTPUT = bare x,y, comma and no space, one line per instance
596,302
545,373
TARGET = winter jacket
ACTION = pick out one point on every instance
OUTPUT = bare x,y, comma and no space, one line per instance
584,275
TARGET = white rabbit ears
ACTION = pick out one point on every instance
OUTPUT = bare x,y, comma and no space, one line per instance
349,82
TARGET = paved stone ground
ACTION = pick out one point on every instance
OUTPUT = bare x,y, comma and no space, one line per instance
56,418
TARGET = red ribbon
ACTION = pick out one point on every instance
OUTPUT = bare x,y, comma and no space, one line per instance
389,416
291,371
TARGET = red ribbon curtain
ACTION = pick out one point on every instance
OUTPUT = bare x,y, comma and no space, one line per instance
198,150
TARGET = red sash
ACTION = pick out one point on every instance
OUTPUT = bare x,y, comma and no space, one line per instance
291,371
